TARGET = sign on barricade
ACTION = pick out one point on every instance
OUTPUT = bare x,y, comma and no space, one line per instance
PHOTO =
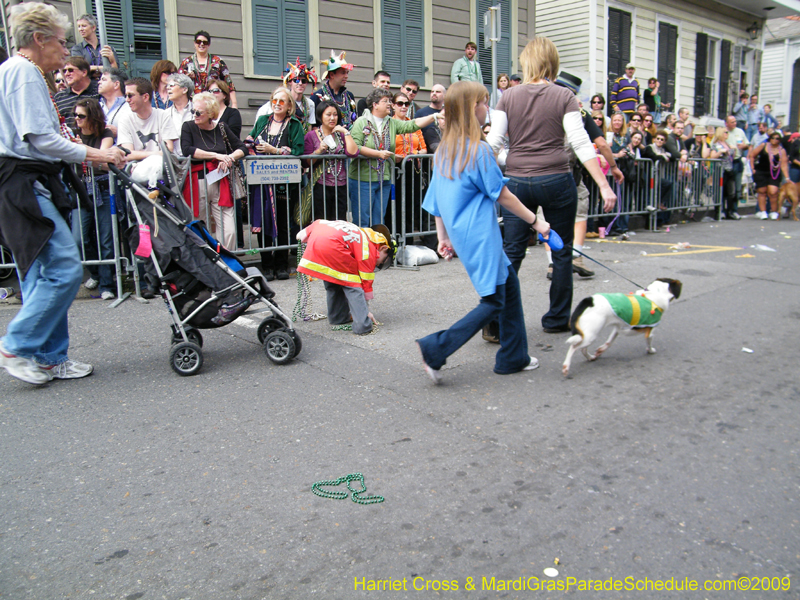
273,170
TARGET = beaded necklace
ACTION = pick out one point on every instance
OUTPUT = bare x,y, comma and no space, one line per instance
348,116
334,167
774,163
62,122
380,140
273,140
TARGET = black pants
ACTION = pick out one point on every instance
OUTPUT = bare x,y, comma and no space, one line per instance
284,212
330,202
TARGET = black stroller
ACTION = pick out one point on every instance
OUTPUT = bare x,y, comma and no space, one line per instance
203,285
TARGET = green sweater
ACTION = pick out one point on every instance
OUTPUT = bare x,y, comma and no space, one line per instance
636,311
366,170
294,133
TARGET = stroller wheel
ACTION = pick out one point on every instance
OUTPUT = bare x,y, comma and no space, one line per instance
186,358
191,333
298,343
267,326
279,347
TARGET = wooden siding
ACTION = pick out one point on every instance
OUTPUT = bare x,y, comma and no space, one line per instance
567,25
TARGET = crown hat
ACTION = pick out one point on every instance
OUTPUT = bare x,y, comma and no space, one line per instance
300,71
336,62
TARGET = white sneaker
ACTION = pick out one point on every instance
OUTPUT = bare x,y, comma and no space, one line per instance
774,216
23,369
534,364
91,283
761,215
107,295
69,369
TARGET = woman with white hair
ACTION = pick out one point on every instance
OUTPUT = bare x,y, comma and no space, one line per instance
180,90
33,201
211,147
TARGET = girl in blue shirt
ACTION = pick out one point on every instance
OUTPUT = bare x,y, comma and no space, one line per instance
464,188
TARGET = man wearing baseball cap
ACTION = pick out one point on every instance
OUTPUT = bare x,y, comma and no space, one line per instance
625,93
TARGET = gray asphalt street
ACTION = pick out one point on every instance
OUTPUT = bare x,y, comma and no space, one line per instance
675,470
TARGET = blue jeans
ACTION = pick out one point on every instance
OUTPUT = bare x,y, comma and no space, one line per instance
368,201
40,329
558,197
506,305
93,231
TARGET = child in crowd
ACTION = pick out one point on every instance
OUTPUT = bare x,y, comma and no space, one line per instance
464,188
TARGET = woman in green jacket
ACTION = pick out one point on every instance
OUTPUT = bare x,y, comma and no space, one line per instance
371,177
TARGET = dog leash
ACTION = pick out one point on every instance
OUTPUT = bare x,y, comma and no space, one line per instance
610,269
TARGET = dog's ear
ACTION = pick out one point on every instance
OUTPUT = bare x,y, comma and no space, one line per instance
675,287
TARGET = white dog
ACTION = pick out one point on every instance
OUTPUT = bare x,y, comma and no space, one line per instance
149,171
637,312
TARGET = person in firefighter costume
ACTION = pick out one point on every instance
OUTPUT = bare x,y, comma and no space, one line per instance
346,258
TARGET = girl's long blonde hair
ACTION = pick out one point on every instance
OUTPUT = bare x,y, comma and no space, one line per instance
462,133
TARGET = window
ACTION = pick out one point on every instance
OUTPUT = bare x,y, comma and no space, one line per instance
711,74
619,47
503,46
403,39
280,35
725,80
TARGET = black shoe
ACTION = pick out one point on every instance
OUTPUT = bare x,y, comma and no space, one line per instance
491,333
147,293
556,329
282,274
550,271
269,274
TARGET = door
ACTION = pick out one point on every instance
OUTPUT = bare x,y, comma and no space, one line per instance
134,28
619,48
667,62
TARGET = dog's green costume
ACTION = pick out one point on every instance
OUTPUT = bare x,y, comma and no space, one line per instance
636,311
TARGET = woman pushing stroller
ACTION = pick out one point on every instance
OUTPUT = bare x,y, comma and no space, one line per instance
465,185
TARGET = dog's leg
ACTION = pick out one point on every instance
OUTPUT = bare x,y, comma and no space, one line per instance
568,360
648,336
604,347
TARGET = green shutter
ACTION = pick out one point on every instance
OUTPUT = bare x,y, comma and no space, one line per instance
414,46
280,35
403,38
266,37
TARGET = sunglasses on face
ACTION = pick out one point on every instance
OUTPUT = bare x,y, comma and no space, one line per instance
298,80
79,116
131,95
197,113
636,120
202,42
69,70
402,103
648,120
596,102
410,90
215,91
598,118
278,102
59,80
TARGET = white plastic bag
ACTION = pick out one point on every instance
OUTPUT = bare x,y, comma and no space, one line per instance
415,256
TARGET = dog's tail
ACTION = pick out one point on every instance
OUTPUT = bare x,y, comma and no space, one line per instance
574,322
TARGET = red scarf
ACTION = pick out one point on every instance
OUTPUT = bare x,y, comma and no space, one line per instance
191,189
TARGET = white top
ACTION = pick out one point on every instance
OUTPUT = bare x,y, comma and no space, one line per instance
144,134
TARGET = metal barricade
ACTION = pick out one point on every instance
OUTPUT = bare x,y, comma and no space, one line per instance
689,186
414,176
635,195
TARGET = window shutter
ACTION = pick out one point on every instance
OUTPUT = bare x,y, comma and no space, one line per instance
794,106
757,71
700,101
267,38
619,47
146,29
736,79
503,46
724,79
667,56
414,20
394,39
3,42
115,28
295,31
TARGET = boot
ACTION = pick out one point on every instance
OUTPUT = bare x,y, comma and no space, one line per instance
579,268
